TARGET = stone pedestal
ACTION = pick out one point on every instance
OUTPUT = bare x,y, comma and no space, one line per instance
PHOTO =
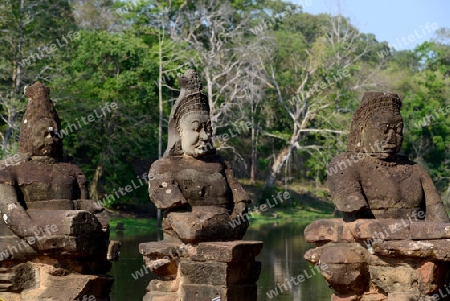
383,259
73,262
225,271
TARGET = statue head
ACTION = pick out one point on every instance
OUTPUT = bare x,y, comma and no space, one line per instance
377,126
43,138
190,125
40,124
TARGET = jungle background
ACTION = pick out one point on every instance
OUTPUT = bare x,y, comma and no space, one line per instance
282,86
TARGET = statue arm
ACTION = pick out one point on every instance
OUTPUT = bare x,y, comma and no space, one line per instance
14,215
164,190
84,203
345,187
240,197
434,208
82,183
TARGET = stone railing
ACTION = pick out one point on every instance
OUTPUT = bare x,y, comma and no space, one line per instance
383,259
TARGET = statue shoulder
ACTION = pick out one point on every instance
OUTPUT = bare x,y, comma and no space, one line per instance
345,164
404,160
8,166
347,159
163,163
166,165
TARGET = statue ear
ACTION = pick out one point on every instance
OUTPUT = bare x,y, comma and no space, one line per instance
361,130
359,143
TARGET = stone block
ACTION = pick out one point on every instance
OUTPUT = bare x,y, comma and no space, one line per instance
404,296
113,250
395,278
163,267
14,248
344,253
76,246
219,273
347,278
10,296
63,204
429,230
324,230
347,235
427,249
374,297
70,287
428,277
313,255
228,251
161,249
161,296
203,224
66,222
347,269
383,229
199,292
164,286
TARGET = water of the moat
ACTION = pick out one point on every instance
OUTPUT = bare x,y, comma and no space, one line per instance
281,257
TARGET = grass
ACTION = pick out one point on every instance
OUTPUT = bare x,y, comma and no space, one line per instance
135,225
305,202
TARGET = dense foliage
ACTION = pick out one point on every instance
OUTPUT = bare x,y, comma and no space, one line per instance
282,84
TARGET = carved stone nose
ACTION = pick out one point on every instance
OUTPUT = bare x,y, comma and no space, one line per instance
391,138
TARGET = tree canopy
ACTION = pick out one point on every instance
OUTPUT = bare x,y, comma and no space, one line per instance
282,84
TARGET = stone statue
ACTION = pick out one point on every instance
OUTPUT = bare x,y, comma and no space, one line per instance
201,256
371,179
37,179
191,182
49,227
382,249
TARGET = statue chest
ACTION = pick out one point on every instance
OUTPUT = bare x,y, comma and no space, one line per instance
203,183
392,186
41,182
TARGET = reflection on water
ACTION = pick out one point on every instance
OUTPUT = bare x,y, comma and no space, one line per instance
281,257
125,287
284,271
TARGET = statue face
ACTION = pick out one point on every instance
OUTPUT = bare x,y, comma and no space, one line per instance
43,138
195,134
383,134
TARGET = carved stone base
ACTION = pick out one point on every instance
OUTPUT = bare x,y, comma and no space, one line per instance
202,272
72,266
39,281
382,259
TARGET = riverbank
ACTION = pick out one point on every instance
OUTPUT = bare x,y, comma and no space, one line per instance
304,201
301,202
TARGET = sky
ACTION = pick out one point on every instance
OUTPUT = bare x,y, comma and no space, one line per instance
404,24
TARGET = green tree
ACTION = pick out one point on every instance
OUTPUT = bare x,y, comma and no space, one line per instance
32,32
120,71
427,109
313,74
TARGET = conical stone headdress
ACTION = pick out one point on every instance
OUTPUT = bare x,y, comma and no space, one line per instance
40,109
191,100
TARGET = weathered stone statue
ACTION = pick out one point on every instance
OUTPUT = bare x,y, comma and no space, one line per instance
382,250
48,223
201,197
371,179
191,182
